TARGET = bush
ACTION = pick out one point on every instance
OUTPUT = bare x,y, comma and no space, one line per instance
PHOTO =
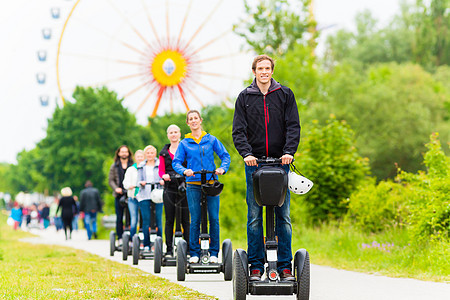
375,208
329,158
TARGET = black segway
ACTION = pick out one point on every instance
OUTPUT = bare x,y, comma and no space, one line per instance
204,265
160,259
137,250
270,183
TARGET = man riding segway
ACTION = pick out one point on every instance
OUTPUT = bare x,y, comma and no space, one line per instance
266,124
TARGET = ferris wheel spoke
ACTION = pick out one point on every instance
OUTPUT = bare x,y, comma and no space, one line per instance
98,57
146,98
180,89
158,100
130,24
204,22
212,41
167,21
219,75
146,83
205,87
151,22
217,57
184,23
195,97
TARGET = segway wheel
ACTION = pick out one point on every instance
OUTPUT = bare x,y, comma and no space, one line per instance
157,261
302,270
227,259
125,241
135,250
239,278
181,260
112,243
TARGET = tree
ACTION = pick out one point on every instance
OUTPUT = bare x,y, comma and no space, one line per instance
276,26
392,108
81,135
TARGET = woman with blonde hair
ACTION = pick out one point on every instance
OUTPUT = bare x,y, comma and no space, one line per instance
149,179
69,209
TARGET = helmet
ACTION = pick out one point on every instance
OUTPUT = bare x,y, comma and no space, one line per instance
299,184
157,195
212,189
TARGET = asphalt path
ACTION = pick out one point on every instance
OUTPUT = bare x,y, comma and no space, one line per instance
326,283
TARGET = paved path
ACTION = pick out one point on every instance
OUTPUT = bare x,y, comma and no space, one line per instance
326,283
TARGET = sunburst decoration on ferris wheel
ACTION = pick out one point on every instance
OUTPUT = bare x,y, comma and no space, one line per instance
169,66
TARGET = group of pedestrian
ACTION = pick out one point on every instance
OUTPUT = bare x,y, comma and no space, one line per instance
265,124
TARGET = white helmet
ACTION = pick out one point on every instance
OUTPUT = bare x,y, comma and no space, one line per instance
157,195
299,184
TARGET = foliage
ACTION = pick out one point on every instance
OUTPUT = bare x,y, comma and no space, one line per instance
329,158
392,109
275,26
5,182
378,207
430,202
81,135
420,34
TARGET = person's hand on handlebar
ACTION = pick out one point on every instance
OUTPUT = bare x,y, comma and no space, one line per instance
286,159
220,171
250,160
188,172
166,177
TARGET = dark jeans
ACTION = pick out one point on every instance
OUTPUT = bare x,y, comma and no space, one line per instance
171,197
120,212
255,236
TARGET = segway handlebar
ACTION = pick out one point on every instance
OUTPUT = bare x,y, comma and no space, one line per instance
205,172
269,161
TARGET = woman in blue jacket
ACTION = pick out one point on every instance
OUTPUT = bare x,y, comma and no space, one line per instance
198,149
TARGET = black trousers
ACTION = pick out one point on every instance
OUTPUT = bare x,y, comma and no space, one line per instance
120,212
171,197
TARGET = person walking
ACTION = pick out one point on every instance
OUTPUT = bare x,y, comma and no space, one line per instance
122,161
172,195
198,149
16,215
149,179
266,124
90,204
67,205
130,183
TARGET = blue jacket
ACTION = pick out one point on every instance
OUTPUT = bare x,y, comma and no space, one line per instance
200,156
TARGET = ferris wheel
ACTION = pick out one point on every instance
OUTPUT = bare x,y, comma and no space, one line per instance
158,55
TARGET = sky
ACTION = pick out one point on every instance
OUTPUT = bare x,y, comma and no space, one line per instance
23,119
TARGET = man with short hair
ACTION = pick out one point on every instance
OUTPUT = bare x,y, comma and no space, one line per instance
90,204
123,159
266,124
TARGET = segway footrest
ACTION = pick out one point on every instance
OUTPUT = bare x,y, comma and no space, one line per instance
272,288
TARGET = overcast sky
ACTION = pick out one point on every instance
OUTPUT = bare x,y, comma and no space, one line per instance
22,118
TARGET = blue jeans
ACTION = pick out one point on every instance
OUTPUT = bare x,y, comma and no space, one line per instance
133,207
255,236
194,194
145,206
91,220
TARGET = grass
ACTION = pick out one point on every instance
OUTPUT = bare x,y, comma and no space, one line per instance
387,253
29,271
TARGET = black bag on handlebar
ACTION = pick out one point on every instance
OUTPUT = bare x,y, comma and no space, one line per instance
212,189
123,200
270,186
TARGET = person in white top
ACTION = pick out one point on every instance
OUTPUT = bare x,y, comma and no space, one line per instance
130,183
148,178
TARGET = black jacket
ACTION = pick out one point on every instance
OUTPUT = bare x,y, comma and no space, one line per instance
266,125
90,200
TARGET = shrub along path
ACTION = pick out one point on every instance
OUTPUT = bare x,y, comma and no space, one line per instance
326,283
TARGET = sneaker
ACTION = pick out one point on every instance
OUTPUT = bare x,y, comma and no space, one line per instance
193,260
146,249
120,242
286,275
255,275
95,235
169,253
213,260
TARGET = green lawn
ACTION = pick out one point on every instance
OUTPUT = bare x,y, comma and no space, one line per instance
29,271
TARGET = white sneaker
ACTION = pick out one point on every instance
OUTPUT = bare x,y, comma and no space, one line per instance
213,260
193,260
147,249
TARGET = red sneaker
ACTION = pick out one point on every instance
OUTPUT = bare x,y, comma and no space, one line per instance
255,275
286,275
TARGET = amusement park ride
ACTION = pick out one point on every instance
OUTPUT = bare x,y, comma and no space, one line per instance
159,56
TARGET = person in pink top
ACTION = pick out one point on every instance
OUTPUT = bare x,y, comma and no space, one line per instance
171,192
